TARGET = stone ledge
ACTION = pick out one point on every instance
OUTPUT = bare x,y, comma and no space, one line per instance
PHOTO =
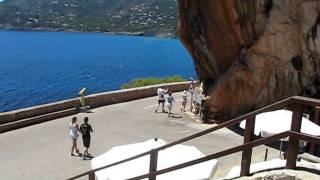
36,120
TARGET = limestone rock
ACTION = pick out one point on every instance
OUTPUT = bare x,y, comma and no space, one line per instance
282,175
251,53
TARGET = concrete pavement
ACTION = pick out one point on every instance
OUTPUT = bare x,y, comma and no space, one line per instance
43,151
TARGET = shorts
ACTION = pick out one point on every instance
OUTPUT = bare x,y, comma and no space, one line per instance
161,101
184,103
169,105
74,136
86,142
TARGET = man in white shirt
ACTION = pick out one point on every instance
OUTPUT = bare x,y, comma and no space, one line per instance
161,92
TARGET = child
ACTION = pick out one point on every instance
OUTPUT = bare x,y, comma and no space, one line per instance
169,102
184,101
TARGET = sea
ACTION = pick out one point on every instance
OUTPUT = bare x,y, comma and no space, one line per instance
42,67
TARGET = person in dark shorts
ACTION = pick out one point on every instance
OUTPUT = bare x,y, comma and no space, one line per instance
161,93
86,129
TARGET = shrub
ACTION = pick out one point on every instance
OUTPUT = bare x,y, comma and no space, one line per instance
139,82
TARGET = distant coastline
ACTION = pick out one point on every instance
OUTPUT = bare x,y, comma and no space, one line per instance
139,18
140,33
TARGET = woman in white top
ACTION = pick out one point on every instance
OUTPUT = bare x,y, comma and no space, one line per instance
74,129
184,101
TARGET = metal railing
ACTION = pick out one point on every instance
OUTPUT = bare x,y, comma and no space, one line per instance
296,103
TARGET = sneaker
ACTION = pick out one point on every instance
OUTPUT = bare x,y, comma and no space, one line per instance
90,156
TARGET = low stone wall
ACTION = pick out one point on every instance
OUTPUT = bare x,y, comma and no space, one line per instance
95,100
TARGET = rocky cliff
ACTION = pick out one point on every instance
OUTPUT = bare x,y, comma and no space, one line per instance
250,53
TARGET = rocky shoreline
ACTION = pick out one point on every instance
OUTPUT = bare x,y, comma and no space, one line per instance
139,33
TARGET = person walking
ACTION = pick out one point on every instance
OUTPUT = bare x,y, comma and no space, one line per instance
86,129
184,101
169,102
74,129
161,92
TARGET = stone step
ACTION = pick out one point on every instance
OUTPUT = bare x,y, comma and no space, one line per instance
36,120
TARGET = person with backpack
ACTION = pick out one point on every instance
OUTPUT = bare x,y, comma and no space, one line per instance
161,92
86,129
169,102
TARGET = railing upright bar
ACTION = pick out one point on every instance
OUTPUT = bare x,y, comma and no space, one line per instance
247,152
316,119
153,164
293,145
92,176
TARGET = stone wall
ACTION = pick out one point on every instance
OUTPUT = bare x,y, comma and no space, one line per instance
95,100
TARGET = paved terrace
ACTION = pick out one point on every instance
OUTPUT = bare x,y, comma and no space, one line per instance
43,151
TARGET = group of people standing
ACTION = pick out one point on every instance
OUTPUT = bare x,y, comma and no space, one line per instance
165,97
85,129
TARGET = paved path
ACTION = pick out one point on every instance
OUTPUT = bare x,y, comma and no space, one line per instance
43,151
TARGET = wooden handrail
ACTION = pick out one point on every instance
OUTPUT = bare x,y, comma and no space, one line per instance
278,105
306,101
306,137
266,140
218,154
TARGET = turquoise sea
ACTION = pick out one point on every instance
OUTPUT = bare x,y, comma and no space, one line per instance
42,67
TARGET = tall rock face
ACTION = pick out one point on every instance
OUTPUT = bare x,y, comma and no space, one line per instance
251,53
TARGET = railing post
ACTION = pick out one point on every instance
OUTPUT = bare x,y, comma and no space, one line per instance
92,176
246,153
153,164
293,145
317,121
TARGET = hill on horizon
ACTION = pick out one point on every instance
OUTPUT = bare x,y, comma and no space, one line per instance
145,17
